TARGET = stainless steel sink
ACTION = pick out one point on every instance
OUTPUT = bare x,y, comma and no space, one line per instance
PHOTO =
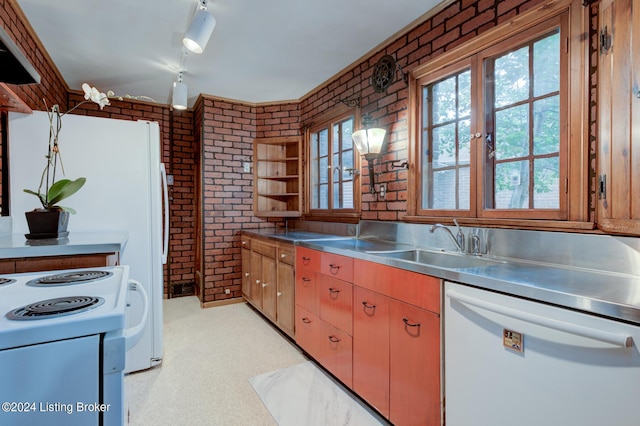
436,258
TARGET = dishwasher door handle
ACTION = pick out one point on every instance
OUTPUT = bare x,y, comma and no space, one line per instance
617,339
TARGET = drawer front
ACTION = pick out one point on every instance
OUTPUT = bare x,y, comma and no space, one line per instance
337,266
263,248
307,259
411,287
286,254
336,302
245,241
307,291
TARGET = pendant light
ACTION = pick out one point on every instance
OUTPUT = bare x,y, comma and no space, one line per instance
179,98
200,29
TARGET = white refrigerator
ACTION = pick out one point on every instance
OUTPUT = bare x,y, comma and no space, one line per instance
125,191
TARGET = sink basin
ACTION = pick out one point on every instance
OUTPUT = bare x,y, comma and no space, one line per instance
440,259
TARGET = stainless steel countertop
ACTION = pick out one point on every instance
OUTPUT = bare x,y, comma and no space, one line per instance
594,291
16,245
293,236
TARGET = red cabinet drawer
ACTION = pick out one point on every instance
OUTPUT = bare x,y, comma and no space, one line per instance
336,302
306,290
336,353
307,259
337,266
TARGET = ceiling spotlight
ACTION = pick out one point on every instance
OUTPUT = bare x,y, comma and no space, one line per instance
200,29
179,101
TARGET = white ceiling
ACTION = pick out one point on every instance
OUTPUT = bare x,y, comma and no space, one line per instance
260,51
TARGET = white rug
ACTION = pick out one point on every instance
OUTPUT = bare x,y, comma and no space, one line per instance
306,395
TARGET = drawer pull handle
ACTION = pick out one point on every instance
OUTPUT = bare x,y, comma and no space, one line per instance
333,290
246,274
279,293
406,321
334,267
257,281
264,285
283,255
305,279
306,320
368,306
334,339
306,260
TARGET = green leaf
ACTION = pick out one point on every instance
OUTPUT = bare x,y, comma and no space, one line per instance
64,188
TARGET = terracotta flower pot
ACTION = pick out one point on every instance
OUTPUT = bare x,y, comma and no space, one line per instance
47,223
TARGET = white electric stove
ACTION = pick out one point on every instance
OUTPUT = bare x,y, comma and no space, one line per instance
62,346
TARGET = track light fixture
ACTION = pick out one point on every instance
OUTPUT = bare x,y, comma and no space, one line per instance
179,94
200,29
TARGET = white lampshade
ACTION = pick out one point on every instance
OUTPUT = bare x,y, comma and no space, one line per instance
179,95
199,32
369,141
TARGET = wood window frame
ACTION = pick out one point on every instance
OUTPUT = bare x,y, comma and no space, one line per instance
576,47
327,119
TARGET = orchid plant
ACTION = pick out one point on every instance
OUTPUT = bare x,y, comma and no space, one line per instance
58,190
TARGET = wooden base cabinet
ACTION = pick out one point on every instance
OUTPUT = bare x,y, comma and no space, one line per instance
268,279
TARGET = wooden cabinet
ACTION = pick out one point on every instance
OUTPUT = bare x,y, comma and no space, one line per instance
277,186
619,117
396,343
268,279
324,300
52,263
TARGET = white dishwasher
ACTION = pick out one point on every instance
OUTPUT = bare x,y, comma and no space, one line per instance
510,361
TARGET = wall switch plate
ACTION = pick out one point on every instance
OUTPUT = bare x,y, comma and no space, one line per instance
227,291
169,179
247,167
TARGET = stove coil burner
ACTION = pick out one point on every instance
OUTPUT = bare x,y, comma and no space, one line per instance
53,308
4,281
67,278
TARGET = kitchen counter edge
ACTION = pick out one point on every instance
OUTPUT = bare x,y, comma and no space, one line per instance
18,246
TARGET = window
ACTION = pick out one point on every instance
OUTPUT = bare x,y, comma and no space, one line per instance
332,163
492,127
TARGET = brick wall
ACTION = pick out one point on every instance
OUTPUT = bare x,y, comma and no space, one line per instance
447,29
227,130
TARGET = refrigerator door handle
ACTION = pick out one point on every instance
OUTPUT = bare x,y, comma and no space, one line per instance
165,213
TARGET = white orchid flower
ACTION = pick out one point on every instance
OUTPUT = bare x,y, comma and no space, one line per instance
93,94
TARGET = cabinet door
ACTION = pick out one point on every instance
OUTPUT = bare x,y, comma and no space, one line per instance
255,295
336,302
286,298
269,288
414,395
309,332
336,351
246,273
371,348
619,117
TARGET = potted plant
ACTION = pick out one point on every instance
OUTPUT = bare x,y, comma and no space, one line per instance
52,219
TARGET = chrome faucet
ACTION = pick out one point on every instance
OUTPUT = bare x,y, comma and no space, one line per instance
458,240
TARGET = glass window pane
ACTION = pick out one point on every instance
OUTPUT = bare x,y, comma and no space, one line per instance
546,125
444,100
464,185
512,185
347,130
546,183
464,142
323,140
464,94
336,138
323,196
347,194
444,146
546,65
444,189
512,132
511,77
323,170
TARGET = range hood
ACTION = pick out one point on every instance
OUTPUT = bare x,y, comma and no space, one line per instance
15,68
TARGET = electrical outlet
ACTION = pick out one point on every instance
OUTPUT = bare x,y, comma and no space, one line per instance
169,179
382,190
247,167
227,291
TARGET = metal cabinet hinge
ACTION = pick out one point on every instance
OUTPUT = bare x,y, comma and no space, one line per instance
605,40
602,187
